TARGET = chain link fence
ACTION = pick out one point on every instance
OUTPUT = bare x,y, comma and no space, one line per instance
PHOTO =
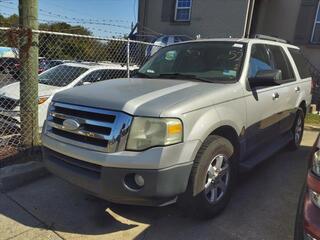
65,61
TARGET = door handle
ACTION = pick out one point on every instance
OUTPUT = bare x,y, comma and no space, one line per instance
297,89
275,96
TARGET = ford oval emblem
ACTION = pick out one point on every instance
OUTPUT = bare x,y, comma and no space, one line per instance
70,124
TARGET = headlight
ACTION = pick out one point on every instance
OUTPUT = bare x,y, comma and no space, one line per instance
150,132
42,99
316,163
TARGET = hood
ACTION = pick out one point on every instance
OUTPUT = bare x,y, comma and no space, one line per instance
144,97
13,90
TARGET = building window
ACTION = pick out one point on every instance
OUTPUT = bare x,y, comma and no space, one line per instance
316,28
183,10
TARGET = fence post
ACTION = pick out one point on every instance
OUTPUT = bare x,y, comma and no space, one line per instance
28,53
128,58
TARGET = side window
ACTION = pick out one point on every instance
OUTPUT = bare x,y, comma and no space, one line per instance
281,62
301,63
114,73
105,75
93,77
260,60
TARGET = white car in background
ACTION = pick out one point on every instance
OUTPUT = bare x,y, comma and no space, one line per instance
56,79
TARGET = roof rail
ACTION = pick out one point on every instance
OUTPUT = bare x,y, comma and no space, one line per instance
270,38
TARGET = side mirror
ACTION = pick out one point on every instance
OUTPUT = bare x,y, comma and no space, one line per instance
266,78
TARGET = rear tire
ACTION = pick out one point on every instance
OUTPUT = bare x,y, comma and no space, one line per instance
212,178
297,130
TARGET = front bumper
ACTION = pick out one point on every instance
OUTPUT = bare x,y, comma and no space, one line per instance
161,186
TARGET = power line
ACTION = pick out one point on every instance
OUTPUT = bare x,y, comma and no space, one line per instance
71,18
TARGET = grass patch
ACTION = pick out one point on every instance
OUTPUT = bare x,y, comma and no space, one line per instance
313,119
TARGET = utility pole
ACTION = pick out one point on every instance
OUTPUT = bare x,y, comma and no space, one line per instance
28,54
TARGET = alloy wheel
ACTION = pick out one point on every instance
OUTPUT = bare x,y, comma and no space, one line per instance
217,179
298,130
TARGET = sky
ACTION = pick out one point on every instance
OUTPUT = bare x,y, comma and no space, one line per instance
104,18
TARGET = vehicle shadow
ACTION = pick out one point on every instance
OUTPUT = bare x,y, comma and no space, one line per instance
263,206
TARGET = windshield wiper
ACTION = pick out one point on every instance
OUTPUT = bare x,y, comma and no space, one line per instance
183,76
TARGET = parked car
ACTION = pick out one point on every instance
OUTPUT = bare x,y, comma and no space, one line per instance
53,63
9,65
54,80
42,64
308,215
194,115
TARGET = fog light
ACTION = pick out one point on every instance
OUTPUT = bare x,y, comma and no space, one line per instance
139,180
133,182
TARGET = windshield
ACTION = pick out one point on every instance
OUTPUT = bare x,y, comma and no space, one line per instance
206,61
61,76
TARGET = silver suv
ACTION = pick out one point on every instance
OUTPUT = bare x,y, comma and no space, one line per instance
181,129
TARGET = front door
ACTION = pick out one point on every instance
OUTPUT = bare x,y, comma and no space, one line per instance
263,104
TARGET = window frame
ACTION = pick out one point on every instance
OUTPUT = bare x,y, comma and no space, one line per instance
179,8
315,25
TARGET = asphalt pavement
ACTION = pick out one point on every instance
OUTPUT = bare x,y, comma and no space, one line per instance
263,207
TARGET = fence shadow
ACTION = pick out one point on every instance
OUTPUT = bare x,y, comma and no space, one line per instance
264,204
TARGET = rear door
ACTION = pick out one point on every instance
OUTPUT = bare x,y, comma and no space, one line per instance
288,90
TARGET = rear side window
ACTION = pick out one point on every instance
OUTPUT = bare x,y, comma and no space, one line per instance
281,62
300,62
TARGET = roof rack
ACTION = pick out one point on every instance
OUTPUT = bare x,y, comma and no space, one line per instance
275,39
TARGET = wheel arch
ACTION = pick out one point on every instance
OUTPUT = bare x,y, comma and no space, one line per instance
231,134
303,106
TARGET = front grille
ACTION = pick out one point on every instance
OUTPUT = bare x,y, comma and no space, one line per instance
8,103
95,128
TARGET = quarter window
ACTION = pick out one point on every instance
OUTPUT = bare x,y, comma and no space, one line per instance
183,10
316,28
301,63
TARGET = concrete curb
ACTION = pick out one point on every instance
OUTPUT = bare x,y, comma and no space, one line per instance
16,175
310,127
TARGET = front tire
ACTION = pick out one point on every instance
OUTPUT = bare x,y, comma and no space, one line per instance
212,178
297,130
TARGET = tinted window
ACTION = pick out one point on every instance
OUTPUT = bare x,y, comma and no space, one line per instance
94,76
300,62
281,62
114,73
259,60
